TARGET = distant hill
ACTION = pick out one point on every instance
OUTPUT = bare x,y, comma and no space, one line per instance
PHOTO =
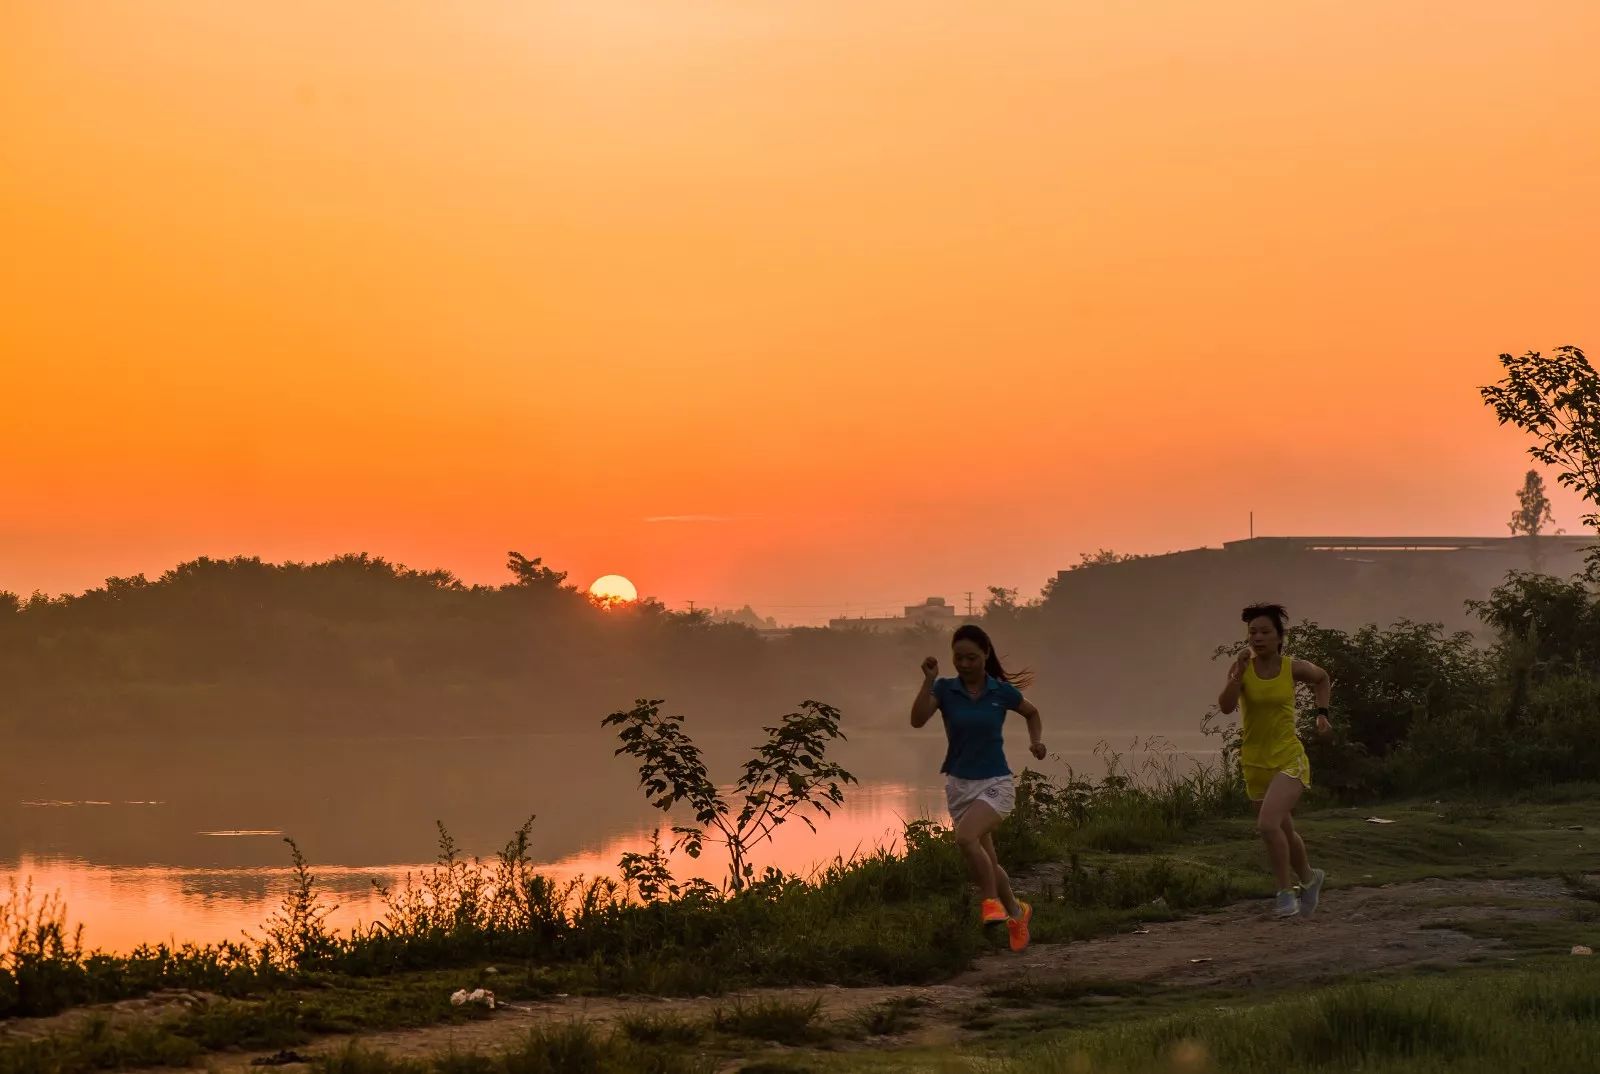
1135,637
360,646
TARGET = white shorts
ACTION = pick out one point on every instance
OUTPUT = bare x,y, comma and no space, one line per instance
999,793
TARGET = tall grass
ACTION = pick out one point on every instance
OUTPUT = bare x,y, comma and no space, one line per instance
1148,797
44,968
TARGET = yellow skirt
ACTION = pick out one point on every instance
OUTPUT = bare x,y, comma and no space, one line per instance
1257,778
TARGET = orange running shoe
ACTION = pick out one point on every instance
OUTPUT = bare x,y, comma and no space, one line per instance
994,912
1018,927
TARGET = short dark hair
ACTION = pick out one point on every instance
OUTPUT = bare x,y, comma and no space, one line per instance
1275,612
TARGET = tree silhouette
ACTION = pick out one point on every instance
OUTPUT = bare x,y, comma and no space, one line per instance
533,573
1533,508
1556,400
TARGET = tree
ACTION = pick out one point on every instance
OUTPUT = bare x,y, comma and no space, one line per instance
533,572
1557,620
1105,557
1556,400
1533,512
787,775
1001,601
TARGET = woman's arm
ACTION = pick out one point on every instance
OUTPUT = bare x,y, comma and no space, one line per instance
1321,684
923,708
1228,700
1030,713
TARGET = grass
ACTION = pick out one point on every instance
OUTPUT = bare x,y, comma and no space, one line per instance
878,919
1536,1019
573,1048
779,1021
274,1021
1542,1016
645,1028
1515,838
1531,938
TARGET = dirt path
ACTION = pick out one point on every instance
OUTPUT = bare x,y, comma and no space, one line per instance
1357,931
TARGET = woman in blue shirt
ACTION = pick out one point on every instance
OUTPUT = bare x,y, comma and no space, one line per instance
978,785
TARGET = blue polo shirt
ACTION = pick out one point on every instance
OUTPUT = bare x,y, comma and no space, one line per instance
973,727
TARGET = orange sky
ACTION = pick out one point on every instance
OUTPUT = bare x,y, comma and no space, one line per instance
910,298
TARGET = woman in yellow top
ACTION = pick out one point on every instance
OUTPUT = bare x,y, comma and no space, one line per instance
1277,772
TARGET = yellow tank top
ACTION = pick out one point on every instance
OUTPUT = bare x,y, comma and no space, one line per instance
1267,735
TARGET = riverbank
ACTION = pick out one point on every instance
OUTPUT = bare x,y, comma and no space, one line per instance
1129,936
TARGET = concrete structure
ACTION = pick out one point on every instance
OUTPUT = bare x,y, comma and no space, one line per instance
934,612
1340,581
1519,549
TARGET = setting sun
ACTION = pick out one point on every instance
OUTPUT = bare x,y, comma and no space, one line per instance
613,589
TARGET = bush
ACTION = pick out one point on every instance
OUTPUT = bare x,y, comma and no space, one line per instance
1418,711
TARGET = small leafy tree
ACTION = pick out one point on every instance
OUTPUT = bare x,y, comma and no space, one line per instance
1533,508
1004,609
789,777
648,873
1556,400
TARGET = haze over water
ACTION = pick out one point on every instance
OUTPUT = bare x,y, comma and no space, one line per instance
185,842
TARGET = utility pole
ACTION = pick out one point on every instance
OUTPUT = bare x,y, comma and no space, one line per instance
1252,525
969,604
691,607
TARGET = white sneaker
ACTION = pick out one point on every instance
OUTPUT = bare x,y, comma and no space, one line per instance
1310,893
1288,903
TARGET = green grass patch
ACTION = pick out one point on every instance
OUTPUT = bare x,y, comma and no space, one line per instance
1515,839
644,1027
572,1048
780,1021
1527,938
1543,1015
1466,1024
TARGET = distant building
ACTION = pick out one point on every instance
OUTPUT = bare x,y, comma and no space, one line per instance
1339,581
1497,552
935,612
